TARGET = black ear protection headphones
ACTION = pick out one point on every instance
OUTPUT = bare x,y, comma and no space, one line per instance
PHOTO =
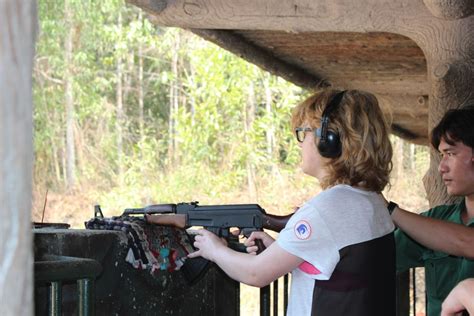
329,145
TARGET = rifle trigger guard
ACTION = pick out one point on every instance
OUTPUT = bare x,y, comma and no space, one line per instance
246,232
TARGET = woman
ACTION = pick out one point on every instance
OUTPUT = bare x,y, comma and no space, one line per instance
339,245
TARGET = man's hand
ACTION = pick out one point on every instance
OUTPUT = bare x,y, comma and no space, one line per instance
208,245
459,299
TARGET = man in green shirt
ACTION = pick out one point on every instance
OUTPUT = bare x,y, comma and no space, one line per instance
442,239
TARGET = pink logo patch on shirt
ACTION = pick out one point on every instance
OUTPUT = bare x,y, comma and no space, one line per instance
302,230
308,268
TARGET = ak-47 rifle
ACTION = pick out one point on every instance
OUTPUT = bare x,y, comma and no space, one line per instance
215,218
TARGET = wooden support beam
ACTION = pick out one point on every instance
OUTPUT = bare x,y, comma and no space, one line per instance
293,16
402,111
261,57
403,133
151,6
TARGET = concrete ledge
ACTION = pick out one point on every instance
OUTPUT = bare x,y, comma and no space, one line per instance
63,268
122,290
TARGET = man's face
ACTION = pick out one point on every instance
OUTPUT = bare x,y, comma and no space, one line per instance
457,168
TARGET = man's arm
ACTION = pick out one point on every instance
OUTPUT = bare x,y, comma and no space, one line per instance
451,238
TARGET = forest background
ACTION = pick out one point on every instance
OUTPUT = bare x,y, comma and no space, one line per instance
129,114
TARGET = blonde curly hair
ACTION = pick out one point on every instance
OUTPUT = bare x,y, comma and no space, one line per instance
366,158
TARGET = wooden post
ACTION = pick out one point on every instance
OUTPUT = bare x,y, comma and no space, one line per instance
449,50
17,36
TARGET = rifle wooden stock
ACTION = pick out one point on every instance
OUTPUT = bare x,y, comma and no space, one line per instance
275,222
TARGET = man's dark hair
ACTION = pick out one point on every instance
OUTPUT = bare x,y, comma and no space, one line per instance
457,125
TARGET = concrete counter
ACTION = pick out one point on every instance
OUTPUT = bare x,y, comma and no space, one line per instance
122,290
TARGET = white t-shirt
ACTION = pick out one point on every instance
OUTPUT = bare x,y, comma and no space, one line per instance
335,218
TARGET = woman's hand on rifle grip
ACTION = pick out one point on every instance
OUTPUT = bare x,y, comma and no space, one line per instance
257,242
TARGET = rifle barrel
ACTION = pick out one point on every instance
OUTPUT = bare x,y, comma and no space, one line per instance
152,209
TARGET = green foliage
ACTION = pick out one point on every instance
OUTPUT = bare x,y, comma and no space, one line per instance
221,127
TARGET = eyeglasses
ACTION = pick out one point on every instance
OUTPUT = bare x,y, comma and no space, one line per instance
300,133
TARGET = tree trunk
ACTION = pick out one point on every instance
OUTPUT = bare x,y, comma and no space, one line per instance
63,160
17,38
174,100
127,75
119,107
270,131
55,162
249,118
79,147
141,95
69,98
412,157
192,96
397,158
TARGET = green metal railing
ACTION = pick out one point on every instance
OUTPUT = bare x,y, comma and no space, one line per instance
55,270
